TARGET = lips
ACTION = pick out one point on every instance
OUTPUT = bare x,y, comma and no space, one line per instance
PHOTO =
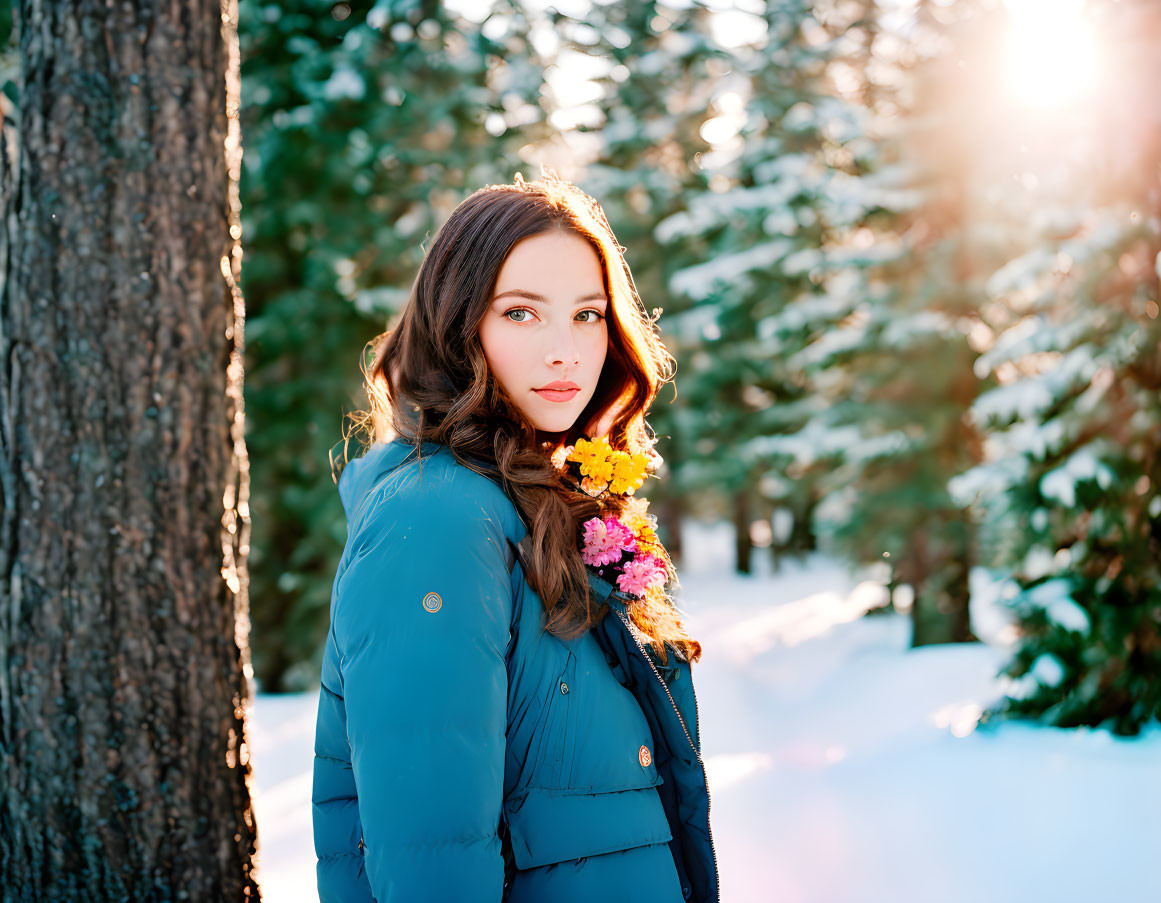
557,394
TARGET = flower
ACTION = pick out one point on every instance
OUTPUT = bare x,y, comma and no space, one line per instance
635,515
604,468
560,456
628,473
624,539
643,572
605,539
594,458
592,488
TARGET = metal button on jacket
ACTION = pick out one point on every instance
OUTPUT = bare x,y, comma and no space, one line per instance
563,687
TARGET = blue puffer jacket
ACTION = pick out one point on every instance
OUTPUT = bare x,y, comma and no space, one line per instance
462,752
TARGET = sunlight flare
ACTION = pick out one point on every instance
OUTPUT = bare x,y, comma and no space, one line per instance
1052,53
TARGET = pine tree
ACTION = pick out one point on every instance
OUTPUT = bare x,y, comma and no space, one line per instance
658,70
896,372
1072,482
366,125
753,265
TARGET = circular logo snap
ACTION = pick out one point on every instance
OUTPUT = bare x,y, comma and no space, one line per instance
432,601
643,755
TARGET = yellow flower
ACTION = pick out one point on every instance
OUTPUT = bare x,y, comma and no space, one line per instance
601,471
586,450
647,537
593,457
628,472
623,473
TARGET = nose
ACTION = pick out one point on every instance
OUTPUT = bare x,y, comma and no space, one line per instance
562,348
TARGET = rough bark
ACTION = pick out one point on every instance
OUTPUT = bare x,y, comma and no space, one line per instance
124,523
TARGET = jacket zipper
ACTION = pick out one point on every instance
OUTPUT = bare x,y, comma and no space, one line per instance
677,711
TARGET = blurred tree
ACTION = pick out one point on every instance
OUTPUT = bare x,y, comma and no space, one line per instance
748,260
1071,487
895,375
365,126
656,66
123,487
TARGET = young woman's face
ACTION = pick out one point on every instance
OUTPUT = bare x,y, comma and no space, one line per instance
546,324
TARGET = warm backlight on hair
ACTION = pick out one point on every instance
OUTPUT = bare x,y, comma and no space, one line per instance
1052,56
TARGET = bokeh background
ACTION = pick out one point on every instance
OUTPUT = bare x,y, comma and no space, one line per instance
907,254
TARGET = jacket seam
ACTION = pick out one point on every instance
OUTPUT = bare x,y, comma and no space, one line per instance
334,759
441,842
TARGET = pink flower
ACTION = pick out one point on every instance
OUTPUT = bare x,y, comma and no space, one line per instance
641,573
605,540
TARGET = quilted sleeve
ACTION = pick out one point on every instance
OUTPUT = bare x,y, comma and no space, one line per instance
422,622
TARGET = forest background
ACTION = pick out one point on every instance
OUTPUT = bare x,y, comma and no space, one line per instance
906,254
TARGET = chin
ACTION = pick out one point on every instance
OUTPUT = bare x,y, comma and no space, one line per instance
556,422
555,425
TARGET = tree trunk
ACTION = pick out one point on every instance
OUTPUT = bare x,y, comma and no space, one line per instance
802,538
743,543
938,570
124,516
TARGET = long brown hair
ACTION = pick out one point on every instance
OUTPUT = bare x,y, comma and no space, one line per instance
429,381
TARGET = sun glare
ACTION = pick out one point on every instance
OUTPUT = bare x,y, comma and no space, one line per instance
1052,54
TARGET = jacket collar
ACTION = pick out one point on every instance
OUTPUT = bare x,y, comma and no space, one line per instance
358,475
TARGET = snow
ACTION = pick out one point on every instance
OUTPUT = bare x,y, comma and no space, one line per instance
1060,483
701,280
849,198
1047,669
988,480
842,293
830,344
818,439
1020,272
843,766
1059,606
344,83
781,179
1032,397
1103,231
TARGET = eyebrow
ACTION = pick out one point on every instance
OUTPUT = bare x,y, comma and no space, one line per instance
532,296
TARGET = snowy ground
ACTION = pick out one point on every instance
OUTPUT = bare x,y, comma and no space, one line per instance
843,767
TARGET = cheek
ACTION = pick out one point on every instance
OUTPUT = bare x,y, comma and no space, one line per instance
599,349
490,345
504,354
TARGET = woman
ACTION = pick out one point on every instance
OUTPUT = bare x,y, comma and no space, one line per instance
474,741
